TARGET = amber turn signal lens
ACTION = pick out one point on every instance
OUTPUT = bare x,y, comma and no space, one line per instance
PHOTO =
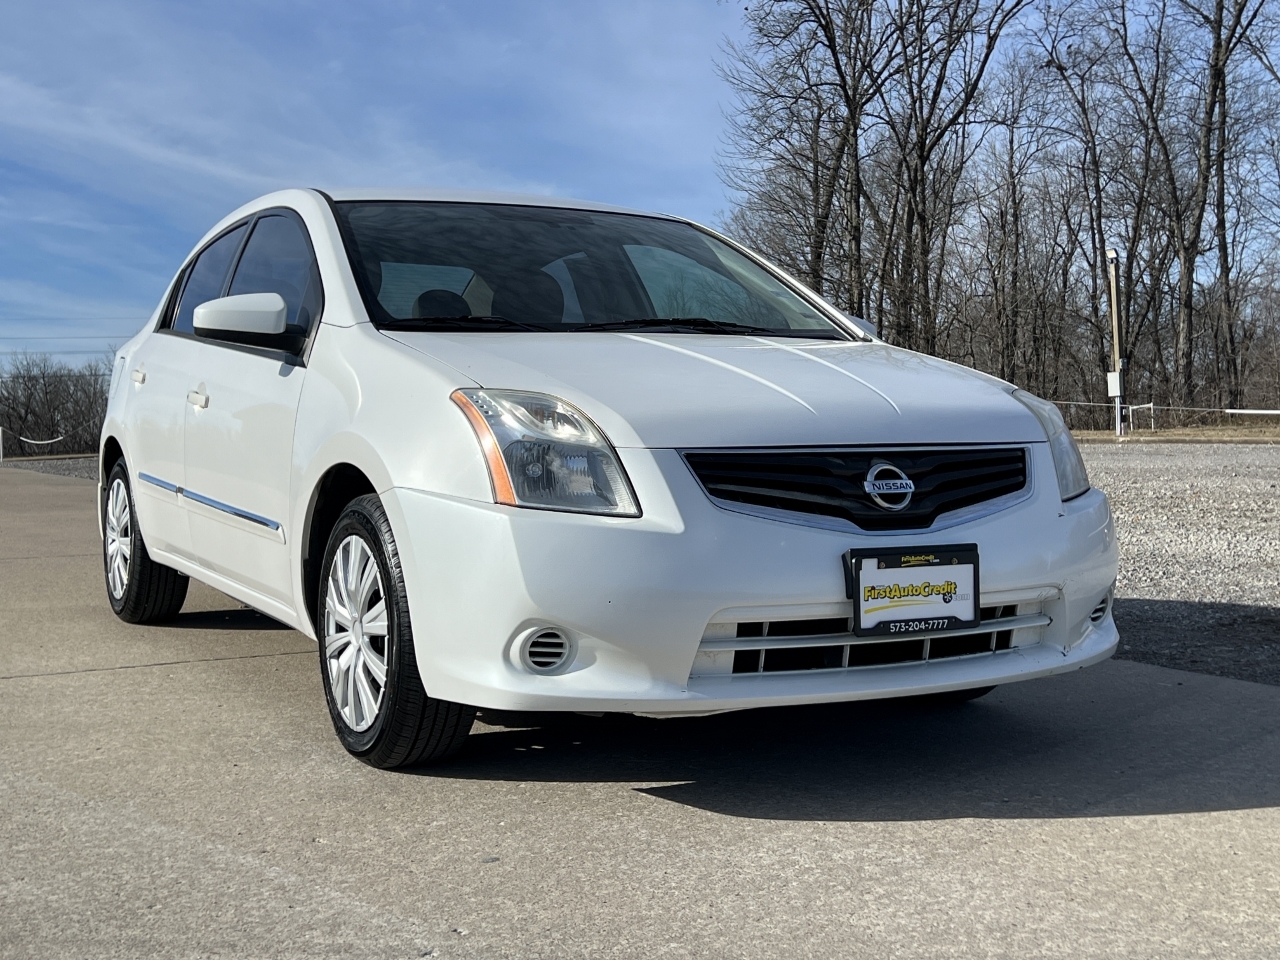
498,476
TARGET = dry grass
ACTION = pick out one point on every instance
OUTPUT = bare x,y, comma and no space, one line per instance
1258,430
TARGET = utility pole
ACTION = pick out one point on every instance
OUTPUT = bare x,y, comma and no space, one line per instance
1115,379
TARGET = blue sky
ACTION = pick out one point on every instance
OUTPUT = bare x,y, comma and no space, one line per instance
128,128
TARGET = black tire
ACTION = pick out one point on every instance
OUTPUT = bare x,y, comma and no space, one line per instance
954,698
409,727
150,592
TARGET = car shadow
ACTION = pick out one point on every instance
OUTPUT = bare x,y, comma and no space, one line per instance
236,618
1237,640
1118,739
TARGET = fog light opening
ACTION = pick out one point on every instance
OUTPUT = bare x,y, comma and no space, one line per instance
546,651
1100,611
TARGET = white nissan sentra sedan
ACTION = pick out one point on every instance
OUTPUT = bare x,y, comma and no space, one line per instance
524,454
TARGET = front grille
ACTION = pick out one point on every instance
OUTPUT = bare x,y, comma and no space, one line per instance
830,482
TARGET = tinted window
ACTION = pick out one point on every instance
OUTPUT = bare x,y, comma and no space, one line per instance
278,259
558,269
208,273
681,287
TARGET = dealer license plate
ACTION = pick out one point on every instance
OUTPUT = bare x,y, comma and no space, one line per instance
921,590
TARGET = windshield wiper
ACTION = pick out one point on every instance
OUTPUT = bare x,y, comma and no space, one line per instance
467,324
705,325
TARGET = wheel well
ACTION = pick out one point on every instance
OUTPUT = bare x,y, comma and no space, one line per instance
111,452
340,485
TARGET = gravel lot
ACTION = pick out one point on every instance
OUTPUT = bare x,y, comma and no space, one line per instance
84,467
1199,529
1200,551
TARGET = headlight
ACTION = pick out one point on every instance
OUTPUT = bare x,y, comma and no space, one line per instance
1073,480
543,452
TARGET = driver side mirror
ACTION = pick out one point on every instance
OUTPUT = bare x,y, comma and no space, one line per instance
263,314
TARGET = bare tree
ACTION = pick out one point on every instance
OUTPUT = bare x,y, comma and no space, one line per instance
956,170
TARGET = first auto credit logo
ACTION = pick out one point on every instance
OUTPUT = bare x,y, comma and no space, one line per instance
898,591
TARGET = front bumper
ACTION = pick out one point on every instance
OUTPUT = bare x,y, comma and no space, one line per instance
637,596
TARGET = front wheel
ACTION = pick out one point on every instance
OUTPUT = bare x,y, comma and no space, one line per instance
140,590
380,710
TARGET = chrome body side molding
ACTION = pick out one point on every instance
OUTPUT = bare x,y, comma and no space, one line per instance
162,484
210,502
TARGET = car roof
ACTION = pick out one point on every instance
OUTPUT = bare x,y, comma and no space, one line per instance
479,196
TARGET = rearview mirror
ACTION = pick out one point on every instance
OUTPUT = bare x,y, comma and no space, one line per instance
260,313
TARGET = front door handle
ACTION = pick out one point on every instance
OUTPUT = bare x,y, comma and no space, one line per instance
197,399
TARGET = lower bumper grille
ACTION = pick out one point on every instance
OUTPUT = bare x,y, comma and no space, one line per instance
791,646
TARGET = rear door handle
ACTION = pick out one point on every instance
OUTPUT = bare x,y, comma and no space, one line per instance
138,376
197,399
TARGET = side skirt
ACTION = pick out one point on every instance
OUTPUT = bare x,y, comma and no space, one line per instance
272,608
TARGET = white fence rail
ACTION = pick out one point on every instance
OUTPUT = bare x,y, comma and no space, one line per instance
38,443
1152,408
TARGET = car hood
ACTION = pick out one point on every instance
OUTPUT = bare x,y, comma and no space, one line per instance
678,390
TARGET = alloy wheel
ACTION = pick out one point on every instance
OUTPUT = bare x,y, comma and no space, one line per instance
119,538
355,633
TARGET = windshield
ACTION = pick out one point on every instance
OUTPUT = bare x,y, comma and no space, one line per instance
493,266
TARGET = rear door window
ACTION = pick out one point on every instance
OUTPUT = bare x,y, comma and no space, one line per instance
206,277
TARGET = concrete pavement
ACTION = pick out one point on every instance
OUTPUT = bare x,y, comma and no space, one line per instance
177,791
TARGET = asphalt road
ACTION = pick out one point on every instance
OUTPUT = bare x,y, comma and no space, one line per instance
177,792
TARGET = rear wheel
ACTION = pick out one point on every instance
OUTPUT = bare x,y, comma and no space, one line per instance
140,590
380,710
